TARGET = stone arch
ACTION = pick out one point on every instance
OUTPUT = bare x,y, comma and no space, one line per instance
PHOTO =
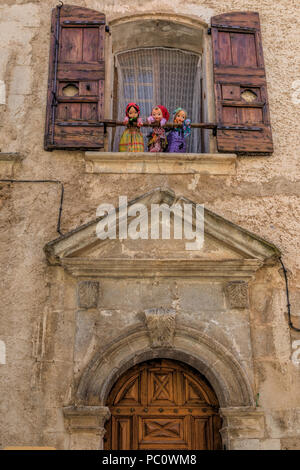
205,354
158,29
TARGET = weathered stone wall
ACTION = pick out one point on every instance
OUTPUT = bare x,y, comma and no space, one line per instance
40,320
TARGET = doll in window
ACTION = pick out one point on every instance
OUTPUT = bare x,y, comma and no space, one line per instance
157,138
132,139
177,136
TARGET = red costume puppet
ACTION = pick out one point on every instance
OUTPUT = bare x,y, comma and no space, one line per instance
157,140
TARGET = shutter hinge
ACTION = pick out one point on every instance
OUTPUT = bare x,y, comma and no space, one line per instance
209,31
107,30
54,101
215,131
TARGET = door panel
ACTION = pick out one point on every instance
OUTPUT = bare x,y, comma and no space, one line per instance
158,432
122,432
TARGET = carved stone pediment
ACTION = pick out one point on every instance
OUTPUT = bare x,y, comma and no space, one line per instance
229,252
160,323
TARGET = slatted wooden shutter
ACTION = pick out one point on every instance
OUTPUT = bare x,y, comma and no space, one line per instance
75,101
240,85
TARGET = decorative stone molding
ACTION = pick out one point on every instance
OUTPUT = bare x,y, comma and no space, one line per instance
160,323
240,424
69,250
165,268
221,368
161,163
88,293
237,294
87,418
7,163
85,424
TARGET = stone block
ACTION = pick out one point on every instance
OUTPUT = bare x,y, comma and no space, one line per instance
135,295
55,381
290,443
284,423
85,330
261,302
237,294
21,80
295,303
88,293
263,342
85,441
201,296
255,444
249,426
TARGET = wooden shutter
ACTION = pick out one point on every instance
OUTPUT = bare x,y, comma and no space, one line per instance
75,101
240,85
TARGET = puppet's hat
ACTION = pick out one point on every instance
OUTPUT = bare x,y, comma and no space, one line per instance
164,111
134,105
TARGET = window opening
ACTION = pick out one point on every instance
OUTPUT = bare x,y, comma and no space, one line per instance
151,76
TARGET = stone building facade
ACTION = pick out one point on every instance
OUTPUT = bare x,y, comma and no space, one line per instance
77,313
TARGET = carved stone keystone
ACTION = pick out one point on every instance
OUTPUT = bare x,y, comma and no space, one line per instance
237,294
160,323
88,292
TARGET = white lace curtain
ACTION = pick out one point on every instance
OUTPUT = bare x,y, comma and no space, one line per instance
152,76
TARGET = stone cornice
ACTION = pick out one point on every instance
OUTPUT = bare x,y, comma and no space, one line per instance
160,163
167,268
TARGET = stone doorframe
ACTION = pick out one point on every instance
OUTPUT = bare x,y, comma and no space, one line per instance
159,338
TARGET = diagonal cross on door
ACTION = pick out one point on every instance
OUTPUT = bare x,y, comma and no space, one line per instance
161,386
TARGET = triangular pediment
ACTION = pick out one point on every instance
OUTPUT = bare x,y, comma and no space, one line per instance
224,242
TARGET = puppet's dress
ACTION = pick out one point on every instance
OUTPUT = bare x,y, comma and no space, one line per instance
157,141
176,141
131,140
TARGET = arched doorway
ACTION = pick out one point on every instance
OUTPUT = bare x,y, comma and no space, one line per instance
162,404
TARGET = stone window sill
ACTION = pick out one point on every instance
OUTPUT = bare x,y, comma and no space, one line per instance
160,163
7,163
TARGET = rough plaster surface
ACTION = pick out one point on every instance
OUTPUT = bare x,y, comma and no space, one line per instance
40,320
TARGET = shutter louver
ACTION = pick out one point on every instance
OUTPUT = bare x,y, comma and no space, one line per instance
75,101
242,107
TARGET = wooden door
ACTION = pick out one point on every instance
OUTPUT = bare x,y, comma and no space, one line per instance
162,404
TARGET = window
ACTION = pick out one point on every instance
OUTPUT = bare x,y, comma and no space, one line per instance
158,61
160,76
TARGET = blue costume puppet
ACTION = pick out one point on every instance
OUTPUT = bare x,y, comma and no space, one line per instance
177,136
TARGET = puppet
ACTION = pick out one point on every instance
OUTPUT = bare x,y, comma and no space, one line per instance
132,139
157,139
177,136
